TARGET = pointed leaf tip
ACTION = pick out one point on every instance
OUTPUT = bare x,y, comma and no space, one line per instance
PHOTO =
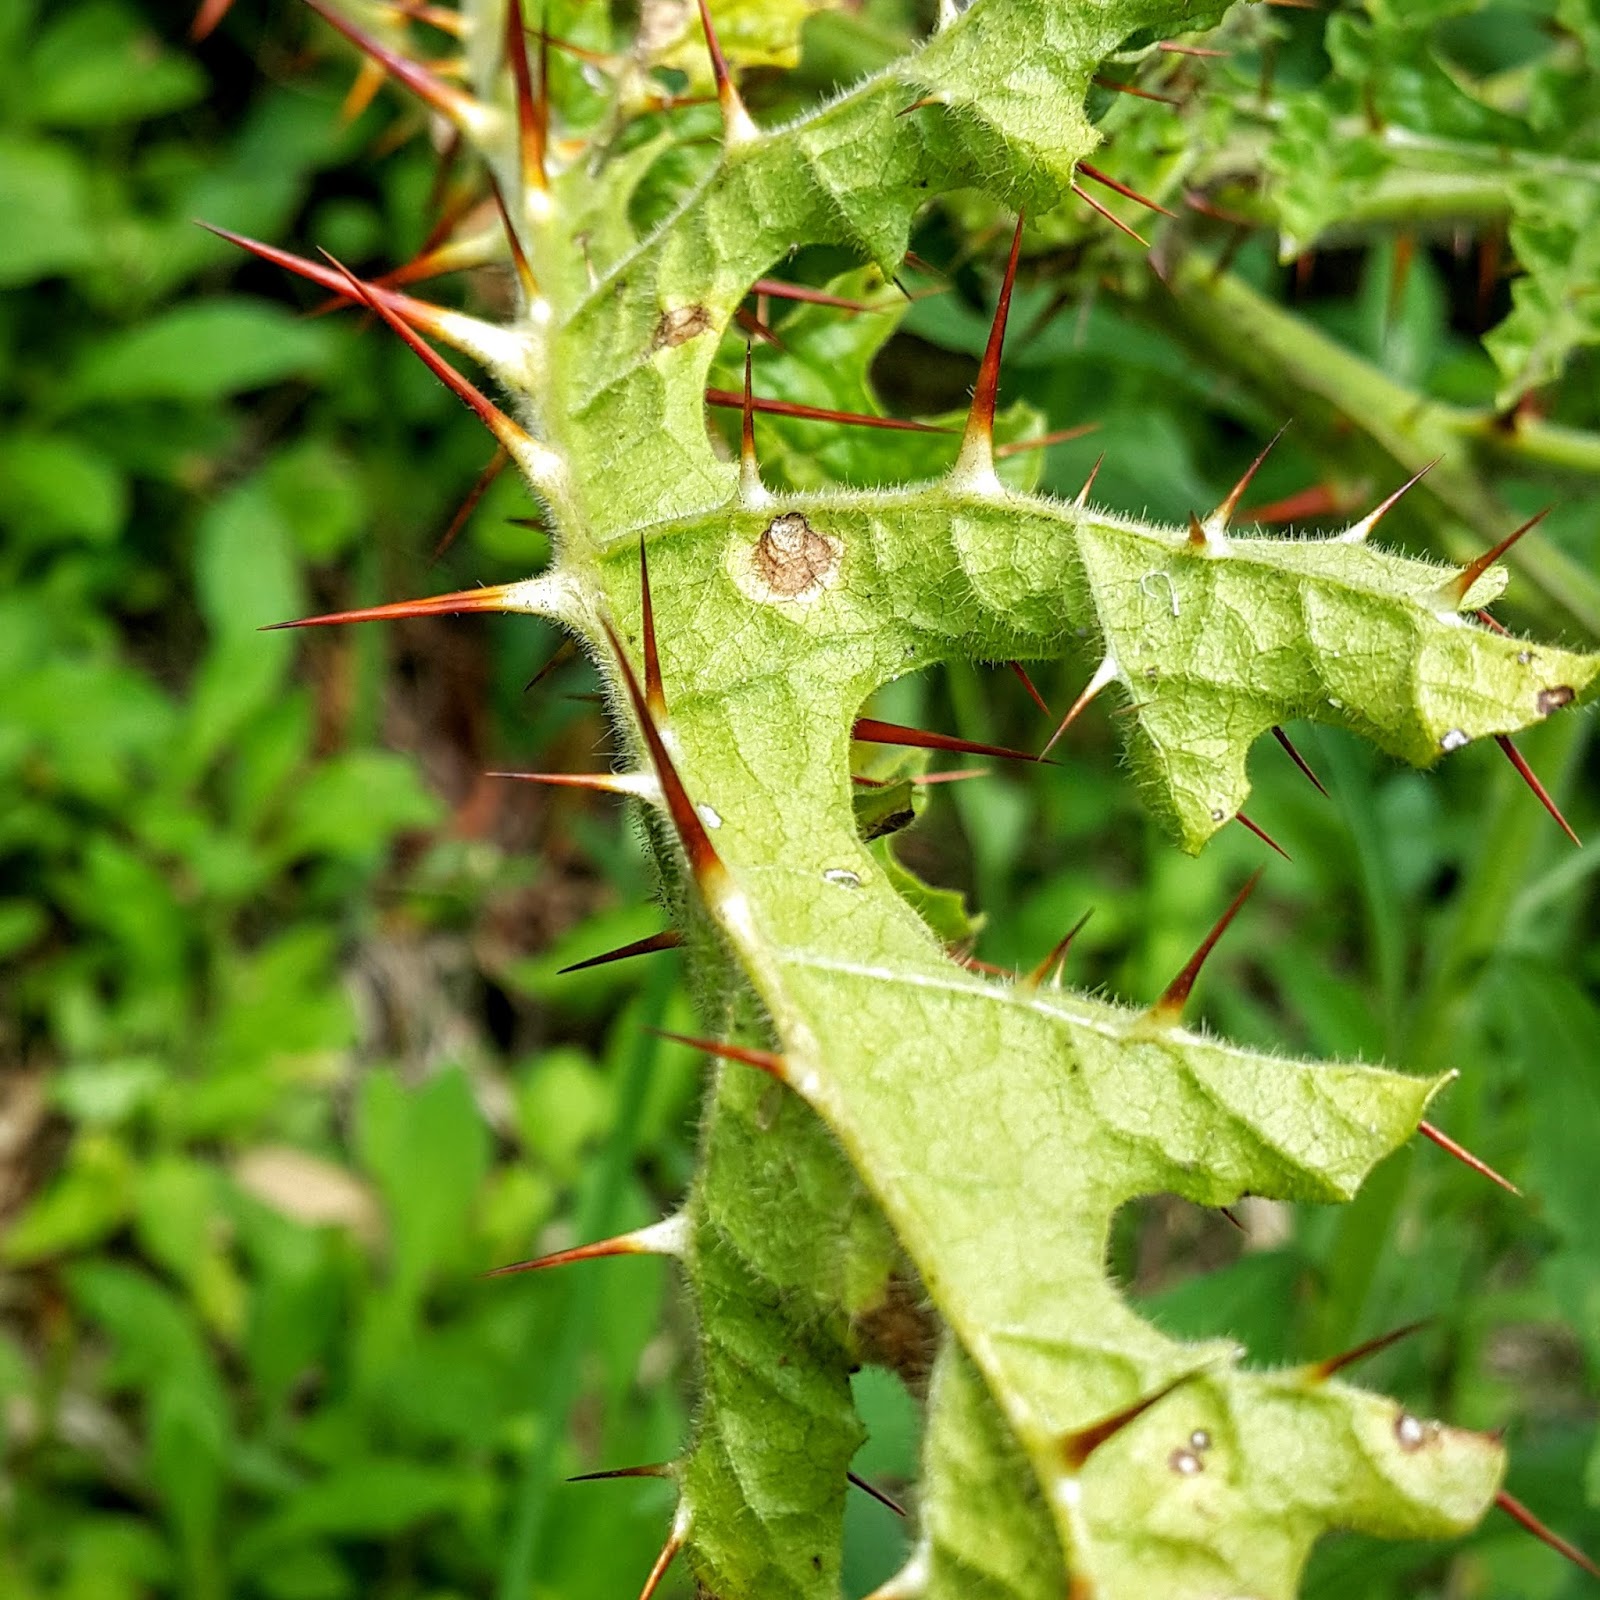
1169,1008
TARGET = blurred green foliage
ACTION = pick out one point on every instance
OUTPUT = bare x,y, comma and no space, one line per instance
286,1057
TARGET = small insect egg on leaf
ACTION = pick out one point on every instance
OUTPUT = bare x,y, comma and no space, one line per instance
1411,1432
842,877
1453,739
1185,1463
1199,1441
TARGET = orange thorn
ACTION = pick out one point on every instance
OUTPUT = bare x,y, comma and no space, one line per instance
509,433
870,731
1103,675
1466,1157
595,782
675,1540
464,254
369,79
1088,483
791,408
1169,1008
1529,777
704,861
1045,440
652,1469
1028,684
1223,515
1358,531
877,1494
497,464
736,122
762,1060
519,257
1462,586
1058,953
492,598
1110,216
1133,89
977,443
1121,188
756,328
1190,50
667,939
1298,759
780,290
206,19
531,111
1521,1515
1262,834
1321,1371
1491,624
451,103
664,1238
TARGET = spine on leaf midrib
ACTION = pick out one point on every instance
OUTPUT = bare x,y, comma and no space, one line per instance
987,1131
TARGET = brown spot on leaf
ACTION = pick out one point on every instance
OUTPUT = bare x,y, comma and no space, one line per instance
679,326
1553,699
900,1333
793,557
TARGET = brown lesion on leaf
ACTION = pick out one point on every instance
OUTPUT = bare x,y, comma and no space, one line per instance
679,326
1554,699
792,557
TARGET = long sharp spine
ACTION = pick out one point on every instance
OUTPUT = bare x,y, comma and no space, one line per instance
1459,587
1525,1519
1358,532
1531,778
871,731
737,126
1465,1157
974,468
1169,1008
668,1237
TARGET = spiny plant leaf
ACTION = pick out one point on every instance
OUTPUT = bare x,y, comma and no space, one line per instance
943,1149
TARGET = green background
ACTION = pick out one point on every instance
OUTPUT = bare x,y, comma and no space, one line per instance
285,1062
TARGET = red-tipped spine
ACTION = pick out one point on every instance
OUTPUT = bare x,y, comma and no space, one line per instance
675,1542
1531,778
651,1469
498,463
762,1060
440,605
729,400
594,782
1103,676
1106,212
1298,759
1058,953
1358,531
664,1238
1525,1519
1321,1371
1169,1008
1461,585
976,460
667,939
433,91
1018,447
519,257
736,124
1262,834
655,696
1106,180
510,434
870,731
779,290
1021,673
1466,1157
532,129
1223,515
877,1494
